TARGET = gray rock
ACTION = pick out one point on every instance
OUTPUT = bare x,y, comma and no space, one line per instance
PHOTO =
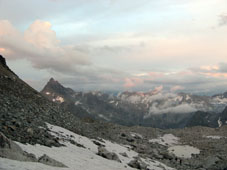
138,164
124,154
210,161
108,155
10,150
45,159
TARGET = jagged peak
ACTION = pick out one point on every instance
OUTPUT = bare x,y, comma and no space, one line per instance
54,83
56,87
2,61
52,80
4,68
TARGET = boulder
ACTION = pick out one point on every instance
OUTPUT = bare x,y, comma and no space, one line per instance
45,159
138,164
108,155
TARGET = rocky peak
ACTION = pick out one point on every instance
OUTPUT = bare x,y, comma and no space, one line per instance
4,69
2,61
53,86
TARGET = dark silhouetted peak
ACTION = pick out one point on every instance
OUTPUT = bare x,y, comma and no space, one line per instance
4,69
52,80
53,86
2,61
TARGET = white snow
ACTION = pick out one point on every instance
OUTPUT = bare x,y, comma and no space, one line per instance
75,157
219,122
166,140
59,99
214,137
47,93
104,117
136,135
77,103
188,97
183,151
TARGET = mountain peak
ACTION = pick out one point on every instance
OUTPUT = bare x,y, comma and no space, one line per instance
53,86
52,80
2,61
4,69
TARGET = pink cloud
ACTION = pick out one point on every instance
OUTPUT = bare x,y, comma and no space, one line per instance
132,82
210,67
215,75
157,89
40,45
177,88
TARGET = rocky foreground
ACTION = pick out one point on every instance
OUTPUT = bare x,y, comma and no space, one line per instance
38,134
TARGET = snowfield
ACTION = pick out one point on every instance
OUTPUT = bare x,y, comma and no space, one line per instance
83,156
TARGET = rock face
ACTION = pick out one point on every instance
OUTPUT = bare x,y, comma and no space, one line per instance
223,117
204,119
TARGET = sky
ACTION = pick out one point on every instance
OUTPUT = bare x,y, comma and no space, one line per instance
115,45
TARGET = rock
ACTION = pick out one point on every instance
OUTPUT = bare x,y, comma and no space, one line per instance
211,160
4,142
108,155
30,131
129,139
98,144
45,159
138,164
10,150
124,154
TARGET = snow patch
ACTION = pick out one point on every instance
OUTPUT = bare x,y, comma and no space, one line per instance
166,140
47,93
59,99
136,135
183,151
77,103
214,137
219,122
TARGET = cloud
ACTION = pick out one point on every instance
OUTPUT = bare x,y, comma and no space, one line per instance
223,20
182,108
40,46
176,88
132,82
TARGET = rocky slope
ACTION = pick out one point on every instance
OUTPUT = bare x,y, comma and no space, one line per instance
30,124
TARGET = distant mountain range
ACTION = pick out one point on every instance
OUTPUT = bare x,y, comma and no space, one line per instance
153,109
